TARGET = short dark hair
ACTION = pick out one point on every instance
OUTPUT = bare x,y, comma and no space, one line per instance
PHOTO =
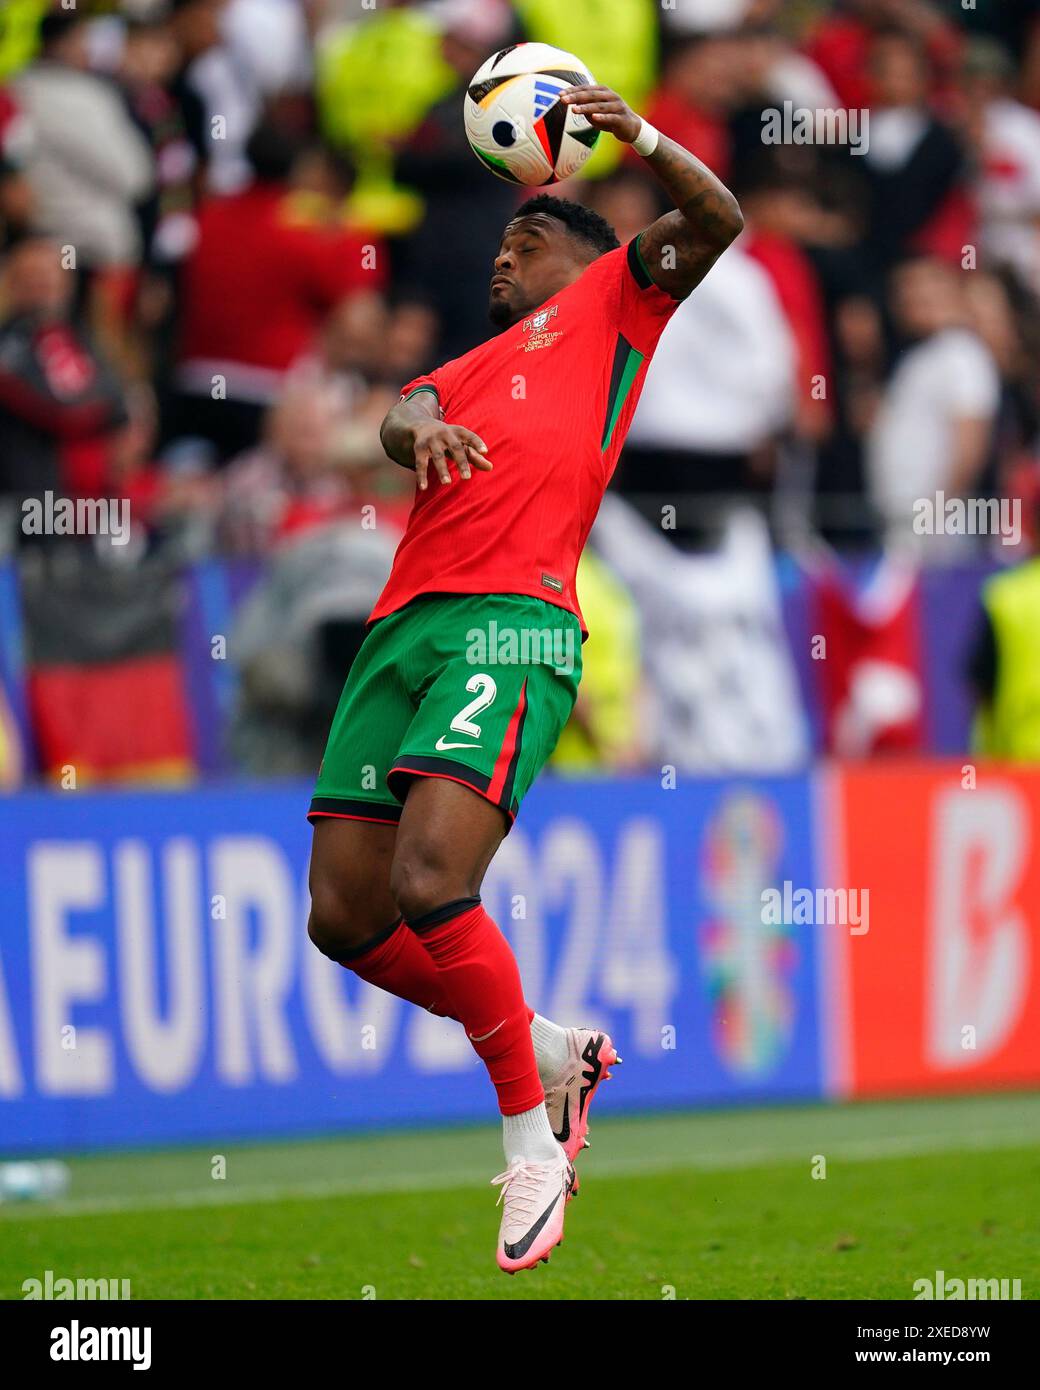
55,25
898,33
272,151
579,220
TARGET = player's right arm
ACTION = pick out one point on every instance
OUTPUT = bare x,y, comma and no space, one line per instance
414,435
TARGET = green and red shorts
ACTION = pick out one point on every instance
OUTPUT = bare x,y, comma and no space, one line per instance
472,687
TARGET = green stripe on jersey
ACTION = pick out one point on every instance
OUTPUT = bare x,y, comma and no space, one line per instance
632,364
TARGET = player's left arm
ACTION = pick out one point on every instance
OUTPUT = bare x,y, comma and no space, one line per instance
680,248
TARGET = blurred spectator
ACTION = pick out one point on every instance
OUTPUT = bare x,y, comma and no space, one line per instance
771,71
196,27
700,88
349,348
721,391
856,346
857,338
841,44
296,635
1029,82
16,197
1003,326
410,344
1014,24
1004,666
270,39
627,199
131,468
254,295
292,482
260,53
146,71
779,213
366,352
454,270
914,162
604,732
933,427
1005,138
88,164
772,67
55,391
88,167
684,17
218,86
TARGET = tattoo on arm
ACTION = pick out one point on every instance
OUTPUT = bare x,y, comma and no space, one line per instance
680,248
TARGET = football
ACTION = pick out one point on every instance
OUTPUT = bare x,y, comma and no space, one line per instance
515,122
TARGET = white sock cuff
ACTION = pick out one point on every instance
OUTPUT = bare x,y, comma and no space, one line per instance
550,1046
529,1135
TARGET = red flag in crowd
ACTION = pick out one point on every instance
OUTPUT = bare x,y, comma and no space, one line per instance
870,666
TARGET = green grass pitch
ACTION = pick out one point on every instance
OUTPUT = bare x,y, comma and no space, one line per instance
711,1205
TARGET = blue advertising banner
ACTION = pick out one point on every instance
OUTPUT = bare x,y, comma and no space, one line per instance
157,983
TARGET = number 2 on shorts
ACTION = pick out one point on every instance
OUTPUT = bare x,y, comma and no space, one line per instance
463,722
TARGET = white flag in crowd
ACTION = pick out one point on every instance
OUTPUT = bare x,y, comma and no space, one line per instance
714,645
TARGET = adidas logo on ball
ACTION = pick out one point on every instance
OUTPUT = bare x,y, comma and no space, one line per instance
515,122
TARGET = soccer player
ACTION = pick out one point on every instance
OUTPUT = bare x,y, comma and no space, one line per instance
472,662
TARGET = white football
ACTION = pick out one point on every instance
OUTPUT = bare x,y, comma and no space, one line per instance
515,122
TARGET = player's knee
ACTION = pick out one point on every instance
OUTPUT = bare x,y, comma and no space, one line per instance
340,922
420,881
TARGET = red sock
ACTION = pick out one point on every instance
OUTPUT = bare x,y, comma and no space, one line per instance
397,963
480,981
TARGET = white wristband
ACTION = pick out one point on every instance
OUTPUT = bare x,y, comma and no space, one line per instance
646,141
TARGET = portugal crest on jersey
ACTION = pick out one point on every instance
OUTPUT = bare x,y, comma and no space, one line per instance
537,322
536,326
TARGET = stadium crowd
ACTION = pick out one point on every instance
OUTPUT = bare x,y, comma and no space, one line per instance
230,230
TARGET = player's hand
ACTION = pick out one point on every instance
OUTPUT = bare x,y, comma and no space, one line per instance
604,109
436,444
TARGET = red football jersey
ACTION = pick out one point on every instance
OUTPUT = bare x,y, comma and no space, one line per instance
259,283
552,397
